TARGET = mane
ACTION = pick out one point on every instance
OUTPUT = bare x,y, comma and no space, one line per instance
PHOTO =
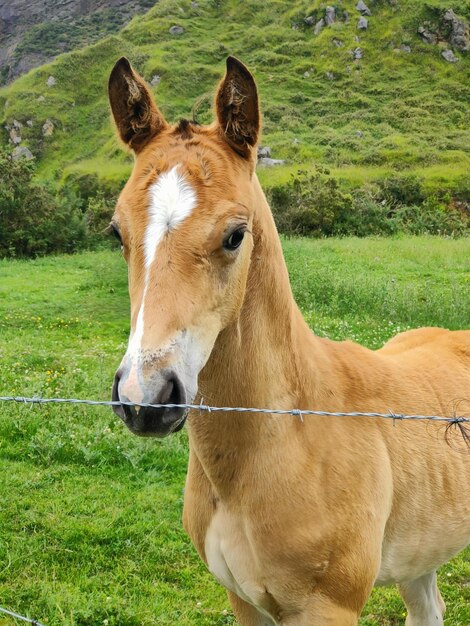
185,128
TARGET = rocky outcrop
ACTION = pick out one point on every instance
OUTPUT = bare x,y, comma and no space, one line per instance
22,152
263,152
47,128
451,29
362,23
449,56
319,26
267,162
427,35
362,7
19,18
459,36
330,15
264,157
176,30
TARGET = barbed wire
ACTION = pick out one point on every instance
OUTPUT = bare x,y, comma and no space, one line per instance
301,413
21,617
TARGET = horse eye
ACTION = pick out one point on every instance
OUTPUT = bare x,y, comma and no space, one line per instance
234,240
115,231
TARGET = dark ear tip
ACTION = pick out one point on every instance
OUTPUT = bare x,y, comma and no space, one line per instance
235,65
121,66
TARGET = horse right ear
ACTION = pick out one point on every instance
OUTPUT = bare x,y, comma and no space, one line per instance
137,117
237,108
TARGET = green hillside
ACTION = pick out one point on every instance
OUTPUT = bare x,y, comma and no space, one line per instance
401,107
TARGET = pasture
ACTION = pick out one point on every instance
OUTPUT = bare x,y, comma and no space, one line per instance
90,528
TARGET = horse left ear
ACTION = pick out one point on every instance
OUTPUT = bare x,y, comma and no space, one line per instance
237,108
137,117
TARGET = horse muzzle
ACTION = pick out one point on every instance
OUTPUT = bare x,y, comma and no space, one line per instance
166,388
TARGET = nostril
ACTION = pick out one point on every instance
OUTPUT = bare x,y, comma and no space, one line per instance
171,392
115,391
166,393
124,412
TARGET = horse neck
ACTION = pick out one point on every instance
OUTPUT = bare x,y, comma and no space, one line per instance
257,361
240,368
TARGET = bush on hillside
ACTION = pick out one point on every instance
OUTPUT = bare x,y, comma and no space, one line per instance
98,213
399,190
314,205
309,204
33,221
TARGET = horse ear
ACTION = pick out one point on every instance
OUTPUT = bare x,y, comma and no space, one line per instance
137,117
237,108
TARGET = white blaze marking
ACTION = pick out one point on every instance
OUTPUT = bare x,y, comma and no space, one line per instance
171,200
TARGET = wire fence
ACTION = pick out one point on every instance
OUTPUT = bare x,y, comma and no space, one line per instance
20,617
301,413
458,421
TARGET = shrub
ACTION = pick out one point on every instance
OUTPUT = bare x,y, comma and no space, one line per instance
98,213
368,216
401,190
309,204
33,221
314,205
432,217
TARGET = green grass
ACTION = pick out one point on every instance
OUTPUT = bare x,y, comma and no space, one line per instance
390,111
90,528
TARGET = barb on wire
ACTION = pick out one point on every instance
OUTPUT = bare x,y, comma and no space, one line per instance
21,617
202,407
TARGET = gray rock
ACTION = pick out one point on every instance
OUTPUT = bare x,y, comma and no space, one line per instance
17,124
306,74
362,7
22,152
264,151
330,75
51,81
449,56
427,35
319,26
155,80
345,16
41,99
405,48
176,30
267,162
15,136
29,123
459,32
362,23
359,133
295,141
47,128
357,53
309,20
330,15
337,42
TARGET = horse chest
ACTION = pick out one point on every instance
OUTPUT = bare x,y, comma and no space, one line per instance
232,560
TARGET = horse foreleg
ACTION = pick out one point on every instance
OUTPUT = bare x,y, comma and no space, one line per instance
423,601
246,614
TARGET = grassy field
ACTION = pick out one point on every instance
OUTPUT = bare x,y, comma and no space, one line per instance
90,529
388,111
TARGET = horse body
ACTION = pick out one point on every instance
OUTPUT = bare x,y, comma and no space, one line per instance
390,498
298,519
